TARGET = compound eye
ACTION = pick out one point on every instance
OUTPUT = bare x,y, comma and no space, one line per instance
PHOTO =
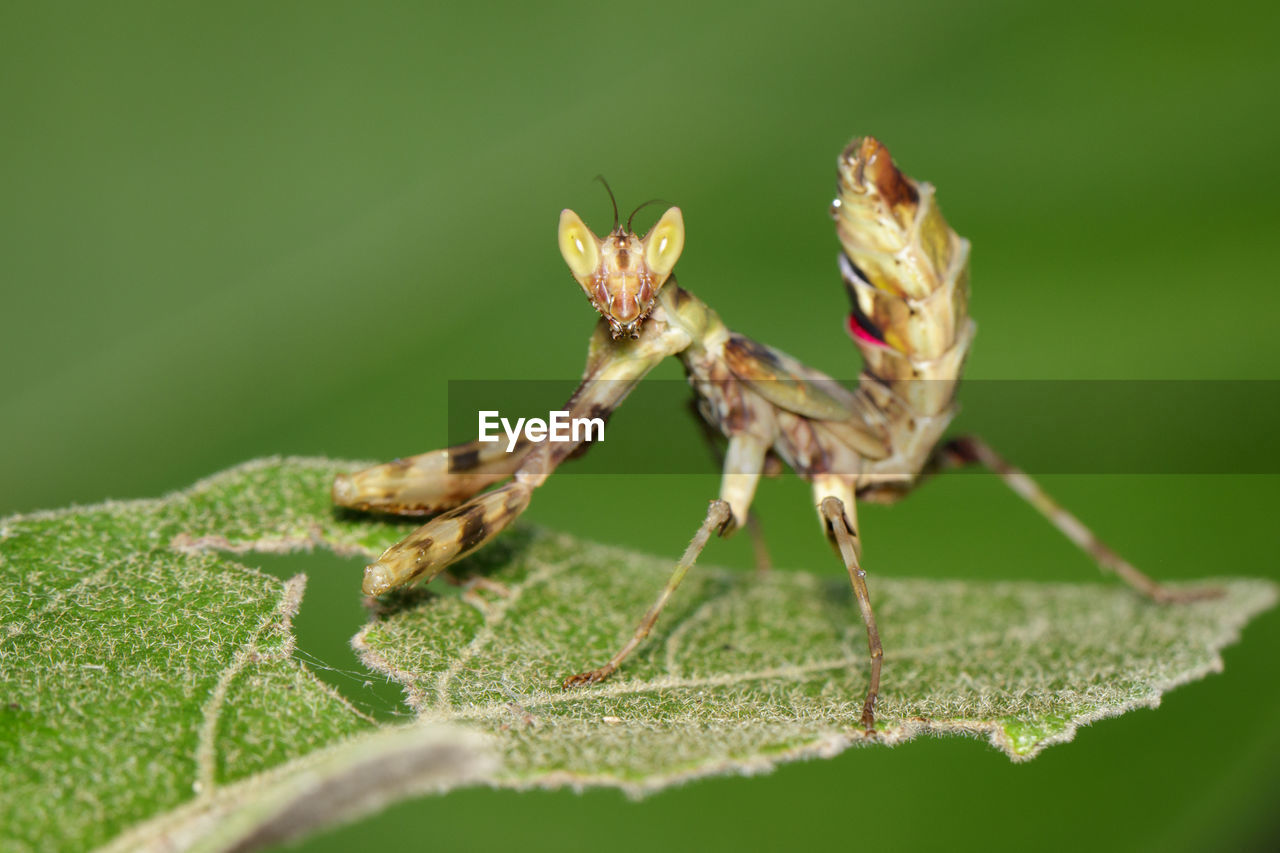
664,242
578,246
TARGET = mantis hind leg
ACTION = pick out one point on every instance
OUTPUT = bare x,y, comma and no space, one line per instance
971,449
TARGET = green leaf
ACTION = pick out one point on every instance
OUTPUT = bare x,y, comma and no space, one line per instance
148,684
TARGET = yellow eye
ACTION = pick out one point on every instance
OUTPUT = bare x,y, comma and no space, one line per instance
664,243
578,246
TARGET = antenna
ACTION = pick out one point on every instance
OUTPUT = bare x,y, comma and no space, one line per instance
642,207
612,201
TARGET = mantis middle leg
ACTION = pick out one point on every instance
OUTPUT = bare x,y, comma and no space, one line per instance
744,462
837,508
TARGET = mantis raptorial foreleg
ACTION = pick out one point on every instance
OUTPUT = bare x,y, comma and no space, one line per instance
842,526
614,368
970,449
429,482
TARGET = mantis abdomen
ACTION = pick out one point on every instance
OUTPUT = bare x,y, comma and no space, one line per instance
907,275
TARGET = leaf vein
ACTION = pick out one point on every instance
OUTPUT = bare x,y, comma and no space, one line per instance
281,615
493,617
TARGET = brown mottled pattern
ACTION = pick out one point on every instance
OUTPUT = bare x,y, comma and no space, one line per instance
893,186
474,530
906,272
784,381
877,438
463,458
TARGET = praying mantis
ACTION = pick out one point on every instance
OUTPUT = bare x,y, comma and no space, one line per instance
906,273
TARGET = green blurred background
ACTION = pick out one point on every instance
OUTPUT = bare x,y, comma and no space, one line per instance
253,228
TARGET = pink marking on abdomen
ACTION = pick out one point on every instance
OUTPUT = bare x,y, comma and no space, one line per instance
858,333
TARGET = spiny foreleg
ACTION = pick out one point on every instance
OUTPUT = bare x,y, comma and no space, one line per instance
447,538
429,482
614,369
439,480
